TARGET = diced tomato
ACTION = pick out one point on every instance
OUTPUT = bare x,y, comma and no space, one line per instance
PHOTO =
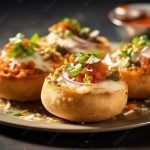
84,71
8,47
79,78
31,64
95,72
61,25
132,106
144,62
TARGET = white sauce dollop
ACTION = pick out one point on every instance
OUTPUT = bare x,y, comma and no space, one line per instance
102,87
70,43
36,58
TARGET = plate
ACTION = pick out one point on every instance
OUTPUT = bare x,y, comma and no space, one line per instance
34,116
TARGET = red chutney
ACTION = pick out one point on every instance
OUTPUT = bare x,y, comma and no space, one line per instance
95,72
142,20
20,70
63,26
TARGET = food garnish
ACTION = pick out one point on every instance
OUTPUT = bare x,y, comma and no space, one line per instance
14,113
72,37
133,56
19,46
20,58
69,27
84,68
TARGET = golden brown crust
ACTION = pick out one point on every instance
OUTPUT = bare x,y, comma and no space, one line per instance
70,105
138,84
23,89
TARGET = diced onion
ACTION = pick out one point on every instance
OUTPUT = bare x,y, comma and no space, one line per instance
72,83
109,62
29,117
128,112
94,33
146,52
84,42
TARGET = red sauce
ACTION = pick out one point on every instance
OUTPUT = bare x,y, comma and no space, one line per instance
142,20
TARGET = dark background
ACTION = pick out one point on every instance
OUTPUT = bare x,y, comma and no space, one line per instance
33,16
30,16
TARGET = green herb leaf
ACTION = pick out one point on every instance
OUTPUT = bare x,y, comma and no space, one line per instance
135,40
92,59
142,40
17,39
86,79
76,23
68,33
80,57
20,51
33,40
126,53
66,19
85,31
76,70
14,113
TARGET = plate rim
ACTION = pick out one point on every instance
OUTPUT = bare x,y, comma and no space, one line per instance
78,128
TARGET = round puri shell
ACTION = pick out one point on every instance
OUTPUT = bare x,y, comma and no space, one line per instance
70,105
138,84
24,89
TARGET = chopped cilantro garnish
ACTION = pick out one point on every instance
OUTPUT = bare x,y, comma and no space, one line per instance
33,40
68,33
14,113
67,20
127,52
76,70
92,59
135,40
131,52
142,40
85,31
20,51
75,22
80,57
86,79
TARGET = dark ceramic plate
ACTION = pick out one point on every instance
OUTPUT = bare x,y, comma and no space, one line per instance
54,124
34,116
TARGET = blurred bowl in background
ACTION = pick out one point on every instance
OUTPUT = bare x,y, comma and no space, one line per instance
131,19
